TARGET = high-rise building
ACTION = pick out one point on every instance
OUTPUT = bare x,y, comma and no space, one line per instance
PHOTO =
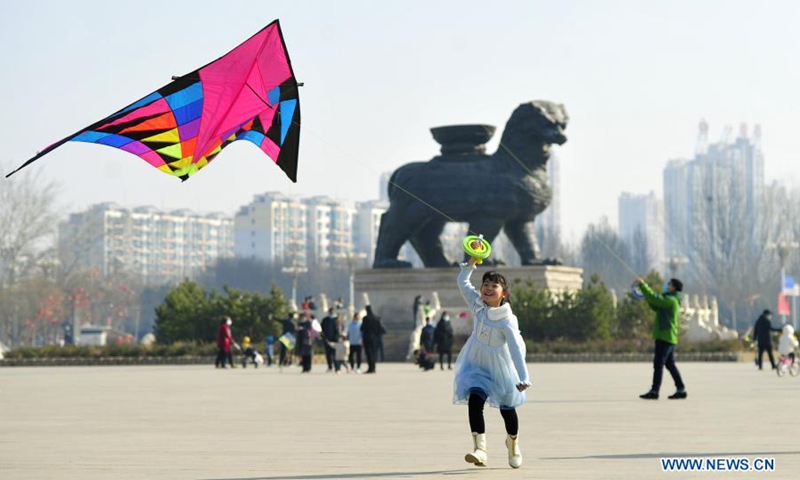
641,225
330,230
155,245
383,187
274,228
286,230
366,225
704,197
548,223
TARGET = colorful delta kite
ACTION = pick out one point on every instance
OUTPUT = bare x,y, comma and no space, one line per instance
248,94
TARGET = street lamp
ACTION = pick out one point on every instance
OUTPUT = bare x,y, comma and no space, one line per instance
784,249
352,260
294,271
674,263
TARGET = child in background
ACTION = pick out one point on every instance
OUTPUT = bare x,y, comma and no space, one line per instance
248,352
787,343
270,349
341,352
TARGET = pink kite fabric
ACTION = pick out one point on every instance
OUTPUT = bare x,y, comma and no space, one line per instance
248,94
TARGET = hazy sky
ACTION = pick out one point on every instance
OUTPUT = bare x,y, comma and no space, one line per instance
636,78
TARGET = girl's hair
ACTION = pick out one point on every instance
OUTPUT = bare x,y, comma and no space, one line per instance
497,277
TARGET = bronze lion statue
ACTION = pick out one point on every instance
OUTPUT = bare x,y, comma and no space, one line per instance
504,190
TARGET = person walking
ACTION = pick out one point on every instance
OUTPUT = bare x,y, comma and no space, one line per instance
354,335
762,333
330,334
224,343
443,340
371,332
270,351
667,308
305,344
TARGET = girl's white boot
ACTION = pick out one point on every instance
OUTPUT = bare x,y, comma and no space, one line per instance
479,456
514,455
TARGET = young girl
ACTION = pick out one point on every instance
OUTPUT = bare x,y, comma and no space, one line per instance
491,366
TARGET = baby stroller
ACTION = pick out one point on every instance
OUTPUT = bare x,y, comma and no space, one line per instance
787,346
250,355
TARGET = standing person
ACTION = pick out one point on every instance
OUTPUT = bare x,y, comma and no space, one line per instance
491,366
305,344
371,332
667,308
426,336
270,351
354,335
287,326
330,332
443,340
224,342
762,332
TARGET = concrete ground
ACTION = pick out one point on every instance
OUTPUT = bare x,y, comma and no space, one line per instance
582,421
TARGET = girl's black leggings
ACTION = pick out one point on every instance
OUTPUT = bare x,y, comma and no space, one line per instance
476,423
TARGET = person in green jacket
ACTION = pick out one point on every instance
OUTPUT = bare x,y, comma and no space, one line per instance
665,332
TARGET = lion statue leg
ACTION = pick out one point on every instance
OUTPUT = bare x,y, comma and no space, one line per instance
428,245
397,225
521,234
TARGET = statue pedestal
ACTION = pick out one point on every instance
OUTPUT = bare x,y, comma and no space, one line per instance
392,291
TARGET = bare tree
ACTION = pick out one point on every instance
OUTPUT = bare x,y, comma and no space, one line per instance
724,238
27,227
639,250
604,253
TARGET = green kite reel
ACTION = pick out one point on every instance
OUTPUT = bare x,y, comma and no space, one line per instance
477,247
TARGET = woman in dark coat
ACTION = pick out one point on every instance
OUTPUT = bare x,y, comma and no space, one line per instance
371,330
305,344
443,339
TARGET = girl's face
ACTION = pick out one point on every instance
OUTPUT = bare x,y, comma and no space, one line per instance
492,293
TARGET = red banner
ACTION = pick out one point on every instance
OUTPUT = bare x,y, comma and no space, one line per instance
783,305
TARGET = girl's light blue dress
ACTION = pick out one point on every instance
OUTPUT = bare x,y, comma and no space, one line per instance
492,362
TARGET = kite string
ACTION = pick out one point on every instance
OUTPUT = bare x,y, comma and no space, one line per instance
363,164
416,197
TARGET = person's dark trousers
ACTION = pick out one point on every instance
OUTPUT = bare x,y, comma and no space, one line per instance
220,361
269,359
665,357
282,357
306,362
371,351
229,356
449,359
765,348
355,357
330,355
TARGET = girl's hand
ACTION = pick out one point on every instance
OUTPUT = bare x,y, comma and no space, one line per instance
522,387
472,261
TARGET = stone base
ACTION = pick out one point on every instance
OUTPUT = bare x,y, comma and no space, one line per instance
391,293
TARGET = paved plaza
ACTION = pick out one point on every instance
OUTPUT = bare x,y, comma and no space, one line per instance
581,421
